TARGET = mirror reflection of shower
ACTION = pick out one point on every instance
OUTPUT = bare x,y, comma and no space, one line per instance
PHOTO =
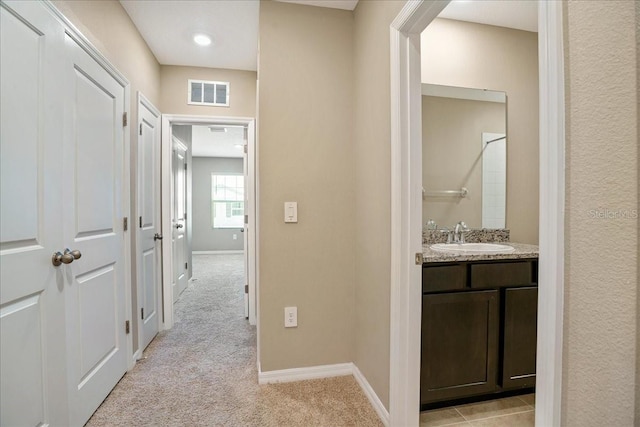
494,179
464,156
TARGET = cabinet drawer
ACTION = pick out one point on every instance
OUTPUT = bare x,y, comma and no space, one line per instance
493,275
444,278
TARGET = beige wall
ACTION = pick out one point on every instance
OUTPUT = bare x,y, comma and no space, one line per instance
452,156
601,254
372,170
108,27
173,97
305,154
457,53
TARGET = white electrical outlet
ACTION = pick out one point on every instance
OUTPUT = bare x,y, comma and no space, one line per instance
235,237
290,317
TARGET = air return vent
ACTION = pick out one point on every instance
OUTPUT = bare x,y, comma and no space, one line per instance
208,93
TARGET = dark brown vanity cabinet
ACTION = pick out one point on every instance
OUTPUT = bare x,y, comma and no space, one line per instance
478,328
459,344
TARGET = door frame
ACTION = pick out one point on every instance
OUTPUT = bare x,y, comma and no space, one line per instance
406,209
168,120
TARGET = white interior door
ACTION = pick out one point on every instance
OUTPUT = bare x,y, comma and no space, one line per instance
93,161
149,228
178,220
31,302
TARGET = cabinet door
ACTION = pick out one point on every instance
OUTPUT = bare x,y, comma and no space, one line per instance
520,328
459,345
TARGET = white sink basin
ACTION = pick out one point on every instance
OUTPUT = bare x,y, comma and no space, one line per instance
481,248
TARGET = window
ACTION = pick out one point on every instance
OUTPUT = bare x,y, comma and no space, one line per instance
227,201
208,93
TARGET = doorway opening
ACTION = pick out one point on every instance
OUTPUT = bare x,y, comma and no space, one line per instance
209,200
406,212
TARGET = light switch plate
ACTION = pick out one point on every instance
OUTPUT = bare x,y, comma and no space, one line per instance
290,211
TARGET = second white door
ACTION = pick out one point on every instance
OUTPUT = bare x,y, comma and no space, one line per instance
149,237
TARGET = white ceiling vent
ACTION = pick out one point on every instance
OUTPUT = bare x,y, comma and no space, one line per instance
208,93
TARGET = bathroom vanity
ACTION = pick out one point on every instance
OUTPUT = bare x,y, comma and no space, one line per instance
479,315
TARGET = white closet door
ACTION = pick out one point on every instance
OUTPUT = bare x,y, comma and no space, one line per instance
31,301
93,224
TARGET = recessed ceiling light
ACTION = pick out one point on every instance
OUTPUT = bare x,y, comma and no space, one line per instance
202,39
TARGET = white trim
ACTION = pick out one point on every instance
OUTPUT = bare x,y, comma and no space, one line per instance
406,210
308,373
216,252
167,121
375,401
552,202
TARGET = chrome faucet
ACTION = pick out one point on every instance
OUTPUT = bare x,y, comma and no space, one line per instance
458,232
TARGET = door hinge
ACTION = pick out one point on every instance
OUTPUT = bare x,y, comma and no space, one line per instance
185,167
124,119
125,223
127,327
186,266
246,219
140,221
245,149
419,258
246,289
142,313
140,128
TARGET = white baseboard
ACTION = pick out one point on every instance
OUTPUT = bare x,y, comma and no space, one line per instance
327,371
216,252
309,373
375,401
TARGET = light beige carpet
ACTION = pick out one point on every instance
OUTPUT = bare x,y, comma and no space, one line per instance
203,371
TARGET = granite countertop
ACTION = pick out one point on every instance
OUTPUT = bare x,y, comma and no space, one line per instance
522,251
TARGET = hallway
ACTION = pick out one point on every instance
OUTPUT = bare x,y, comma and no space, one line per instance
203,371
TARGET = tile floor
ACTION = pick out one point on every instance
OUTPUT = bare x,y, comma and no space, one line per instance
517,411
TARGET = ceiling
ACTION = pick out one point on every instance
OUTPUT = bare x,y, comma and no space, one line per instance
518,14
168,26
205,143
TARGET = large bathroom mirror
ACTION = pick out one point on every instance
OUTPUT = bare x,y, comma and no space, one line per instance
464,156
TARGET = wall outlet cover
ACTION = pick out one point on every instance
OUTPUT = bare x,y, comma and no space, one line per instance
290,317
